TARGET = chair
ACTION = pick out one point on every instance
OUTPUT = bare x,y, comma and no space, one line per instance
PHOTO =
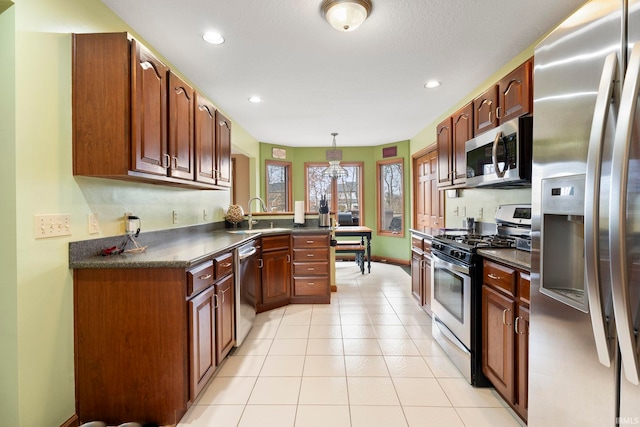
352,247
345,218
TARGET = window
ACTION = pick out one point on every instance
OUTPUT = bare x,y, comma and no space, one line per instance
278,183
344,195
390,197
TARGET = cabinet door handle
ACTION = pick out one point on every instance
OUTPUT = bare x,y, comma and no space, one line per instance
260,263
311,283
504,317
167,157
310,268
517,326
310,242
310,255
498,113
175,162
493,276
205,277
288,258
222,292
226,265
215,297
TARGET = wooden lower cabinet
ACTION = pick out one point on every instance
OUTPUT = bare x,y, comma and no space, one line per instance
311,284
426,282
147,340
498,352
202,325
421,271
416,275
225,318
276,272
505,332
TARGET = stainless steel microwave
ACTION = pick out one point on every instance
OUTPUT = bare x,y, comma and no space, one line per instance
501,157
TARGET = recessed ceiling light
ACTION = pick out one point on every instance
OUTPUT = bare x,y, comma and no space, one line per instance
255,99
213,38
432,84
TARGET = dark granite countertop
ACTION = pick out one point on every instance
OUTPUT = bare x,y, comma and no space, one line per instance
179,248
513,257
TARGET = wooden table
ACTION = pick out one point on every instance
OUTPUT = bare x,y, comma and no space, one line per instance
359,231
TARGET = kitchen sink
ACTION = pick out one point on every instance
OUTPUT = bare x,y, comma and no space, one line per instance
258,230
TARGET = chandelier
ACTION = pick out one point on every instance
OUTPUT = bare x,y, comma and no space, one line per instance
346,15
334,171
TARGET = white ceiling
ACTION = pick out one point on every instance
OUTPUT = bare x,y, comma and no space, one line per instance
367,85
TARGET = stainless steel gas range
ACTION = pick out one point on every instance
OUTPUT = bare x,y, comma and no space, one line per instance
456,291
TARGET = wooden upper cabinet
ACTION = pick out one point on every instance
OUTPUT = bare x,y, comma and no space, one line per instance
462,132
181,128
452,134
205,136
511,97
484,109
223,150
444,141
148,111
134,120
516,93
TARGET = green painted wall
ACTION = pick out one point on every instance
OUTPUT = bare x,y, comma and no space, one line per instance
392,247
36,290
8,258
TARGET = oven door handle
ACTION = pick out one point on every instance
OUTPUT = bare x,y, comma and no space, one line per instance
450,266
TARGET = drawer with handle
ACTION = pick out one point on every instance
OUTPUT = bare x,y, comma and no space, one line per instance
310,268
306,255
311,286
499,276
311,241
224,265
199,278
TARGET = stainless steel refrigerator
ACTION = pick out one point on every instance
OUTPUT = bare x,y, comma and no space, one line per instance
585,302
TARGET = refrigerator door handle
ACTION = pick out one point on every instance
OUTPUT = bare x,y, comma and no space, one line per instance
618,217
592,208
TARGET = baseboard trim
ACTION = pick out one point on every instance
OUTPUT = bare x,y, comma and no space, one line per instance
71,422
387,260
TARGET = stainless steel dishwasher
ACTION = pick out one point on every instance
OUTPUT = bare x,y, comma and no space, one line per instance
247,278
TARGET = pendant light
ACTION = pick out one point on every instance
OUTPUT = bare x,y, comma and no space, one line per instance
346,15
334,171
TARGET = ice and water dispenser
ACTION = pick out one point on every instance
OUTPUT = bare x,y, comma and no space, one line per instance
562,261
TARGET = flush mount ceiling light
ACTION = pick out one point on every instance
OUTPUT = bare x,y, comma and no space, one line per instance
432,84
213,38
346,15
334,171
255,99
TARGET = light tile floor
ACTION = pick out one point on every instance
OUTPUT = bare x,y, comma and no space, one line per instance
365,360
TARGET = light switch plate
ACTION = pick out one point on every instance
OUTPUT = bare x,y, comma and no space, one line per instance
51,225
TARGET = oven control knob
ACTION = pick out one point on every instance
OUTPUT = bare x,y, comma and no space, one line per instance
456,254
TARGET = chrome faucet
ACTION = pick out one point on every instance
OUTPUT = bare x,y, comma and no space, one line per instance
262,205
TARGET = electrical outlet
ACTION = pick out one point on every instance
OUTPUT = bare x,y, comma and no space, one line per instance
464,211
204,214
479,212
175,216
51,225
94,225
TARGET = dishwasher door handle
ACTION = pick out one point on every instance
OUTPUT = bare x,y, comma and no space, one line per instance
247,253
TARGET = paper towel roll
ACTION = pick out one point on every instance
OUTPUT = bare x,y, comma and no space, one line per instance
298,216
